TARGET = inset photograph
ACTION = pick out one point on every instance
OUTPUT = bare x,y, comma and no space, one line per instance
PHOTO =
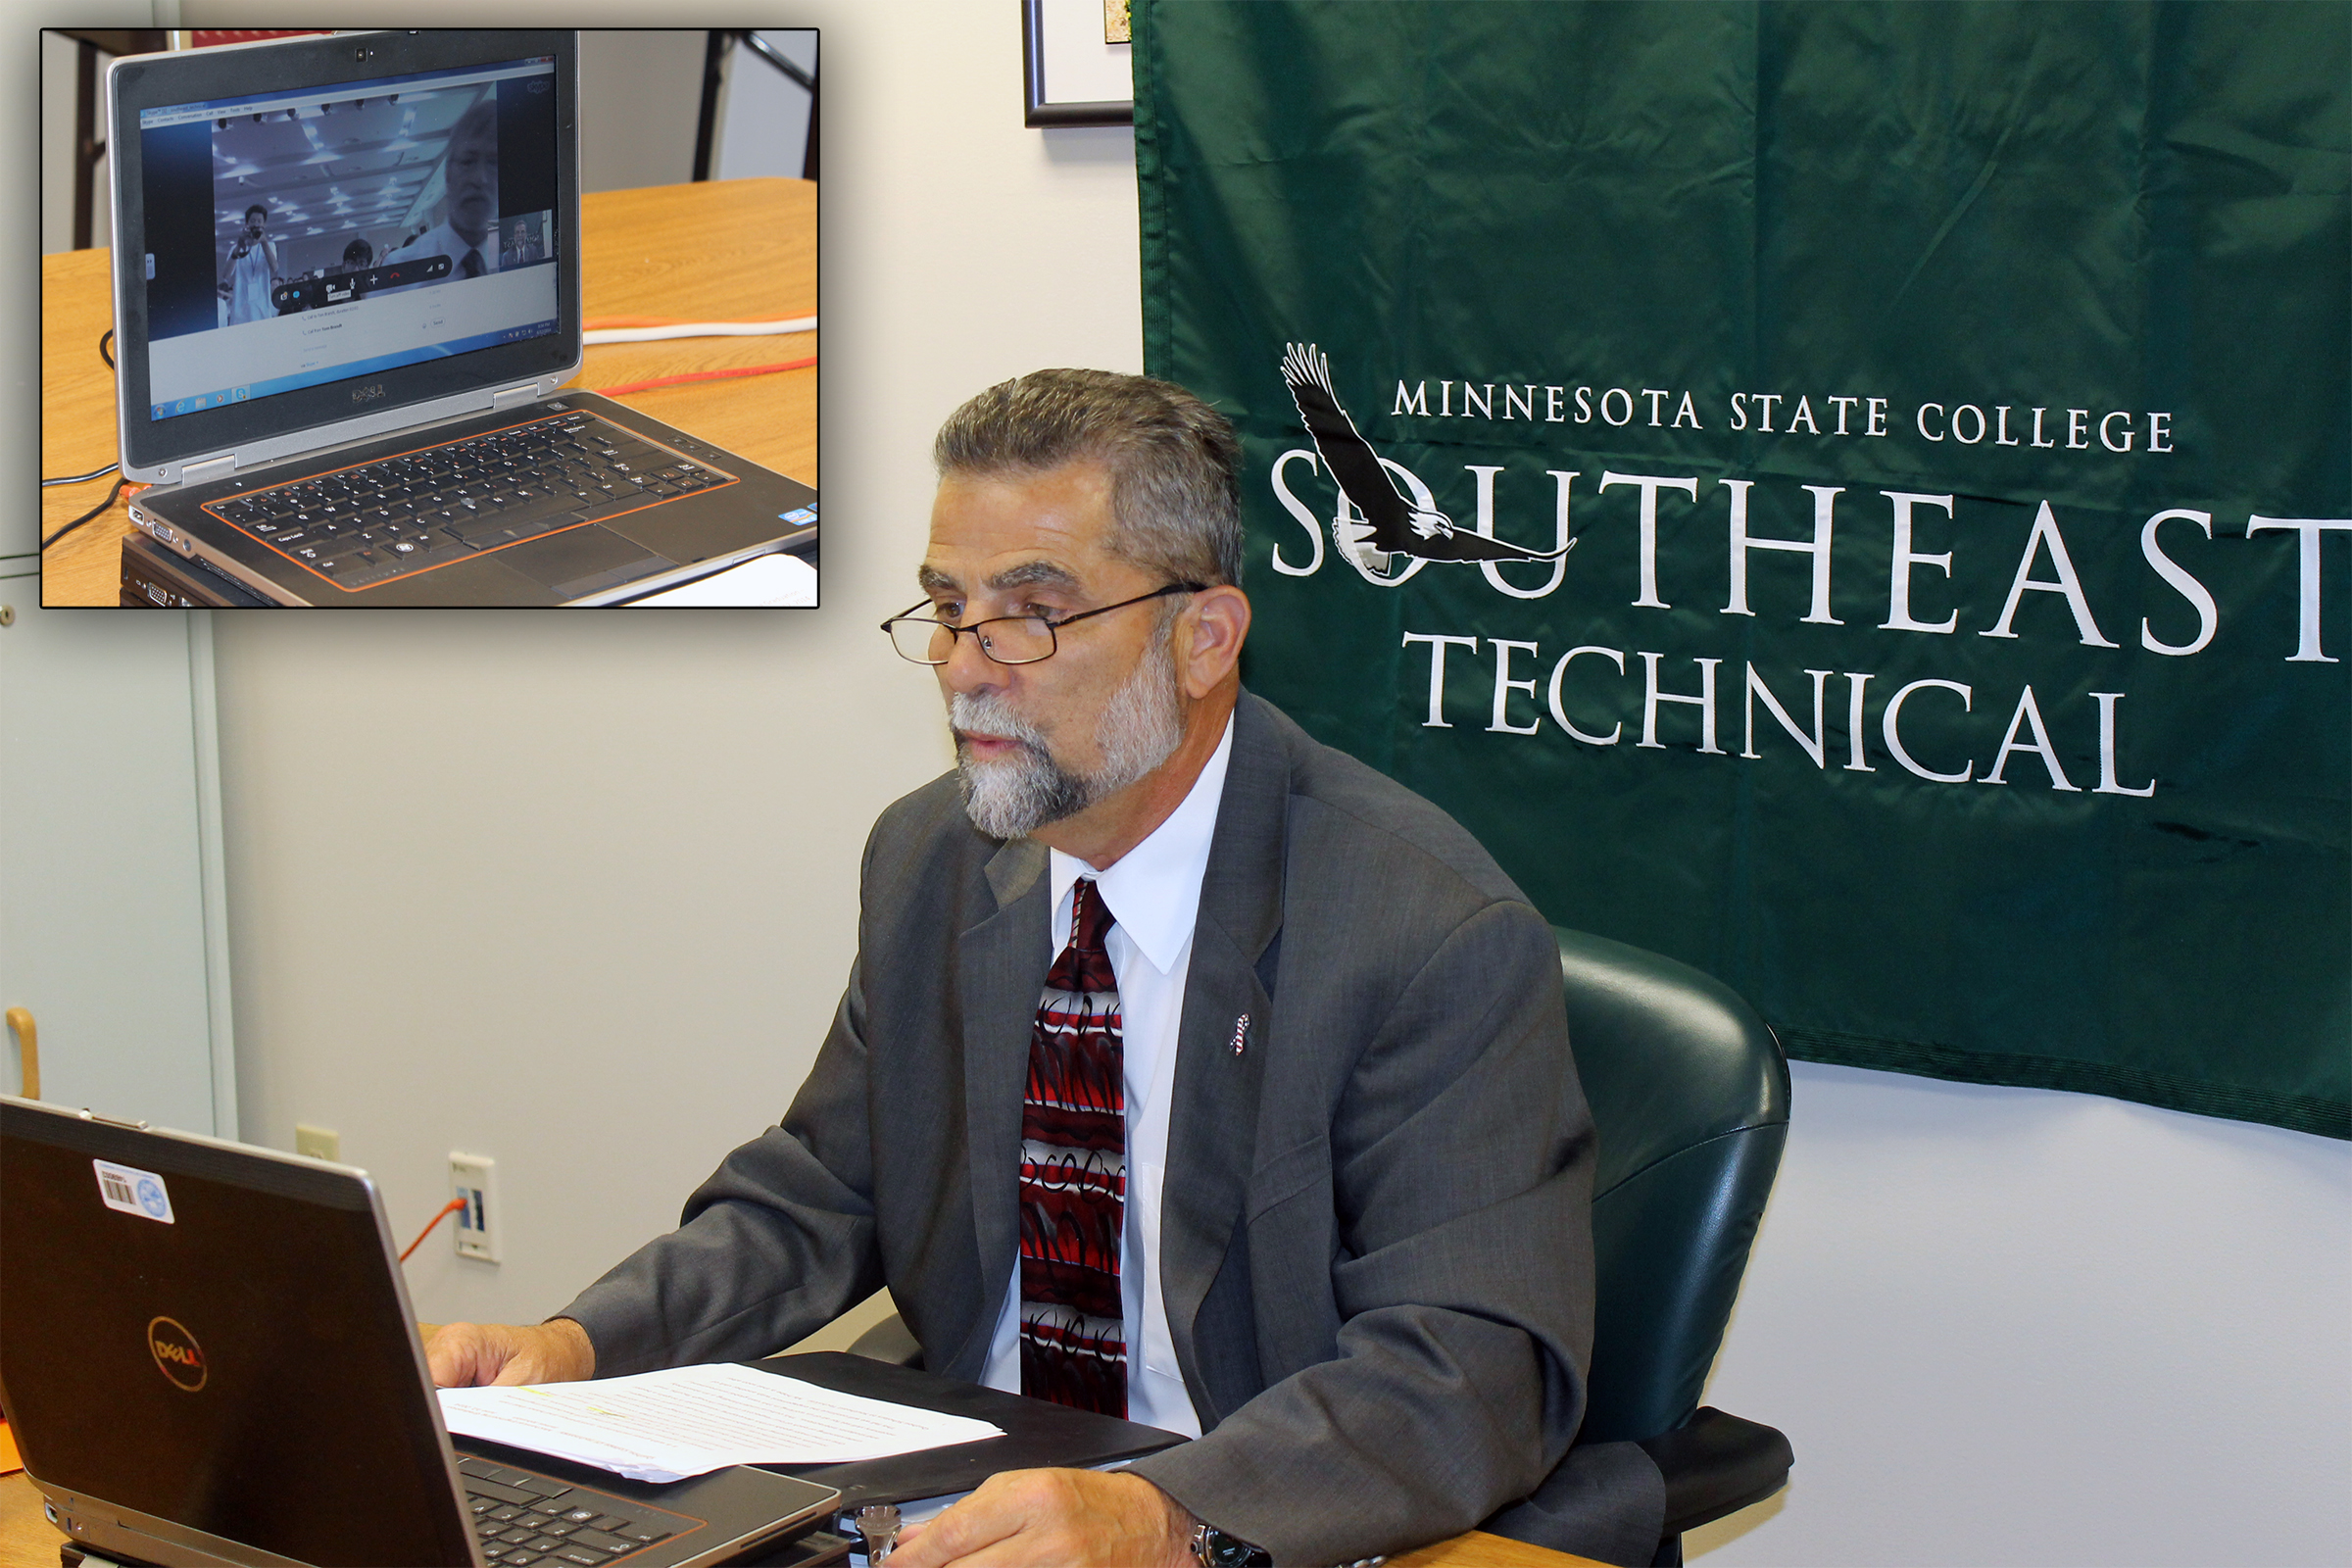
430,318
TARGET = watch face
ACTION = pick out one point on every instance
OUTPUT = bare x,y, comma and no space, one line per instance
1221,1550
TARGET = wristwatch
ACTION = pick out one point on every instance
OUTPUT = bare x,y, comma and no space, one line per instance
1215,1548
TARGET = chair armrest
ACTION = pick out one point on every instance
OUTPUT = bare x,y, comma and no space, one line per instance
1715,1464
889,1341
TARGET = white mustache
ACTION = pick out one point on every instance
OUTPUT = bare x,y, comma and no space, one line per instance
990,714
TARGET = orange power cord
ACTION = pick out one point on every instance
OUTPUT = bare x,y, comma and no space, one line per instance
446,1209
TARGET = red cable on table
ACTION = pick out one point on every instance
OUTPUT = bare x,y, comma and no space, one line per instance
702,375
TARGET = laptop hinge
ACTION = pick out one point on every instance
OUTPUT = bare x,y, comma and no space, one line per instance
514,396
211,468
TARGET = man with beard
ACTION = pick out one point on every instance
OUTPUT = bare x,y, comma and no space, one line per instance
1188,1069
470,180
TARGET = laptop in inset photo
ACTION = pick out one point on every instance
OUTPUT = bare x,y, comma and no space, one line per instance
347,294
207,1355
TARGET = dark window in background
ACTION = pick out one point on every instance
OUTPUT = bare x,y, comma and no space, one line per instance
526,144
175,185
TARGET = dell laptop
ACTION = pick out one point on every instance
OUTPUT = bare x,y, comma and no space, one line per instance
207,1356
347,293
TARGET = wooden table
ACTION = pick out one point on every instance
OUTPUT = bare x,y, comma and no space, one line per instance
723,250
28,1541
1475,1549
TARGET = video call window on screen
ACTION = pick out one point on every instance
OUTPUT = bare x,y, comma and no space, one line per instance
304,238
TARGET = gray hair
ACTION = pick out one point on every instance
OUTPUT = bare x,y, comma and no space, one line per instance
1175,499
478,122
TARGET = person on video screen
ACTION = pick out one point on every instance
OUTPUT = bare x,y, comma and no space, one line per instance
357,256
521,245
470,174
253,270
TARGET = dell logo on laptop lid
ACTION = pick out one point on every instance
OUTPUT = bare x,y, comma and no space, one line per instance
176,1353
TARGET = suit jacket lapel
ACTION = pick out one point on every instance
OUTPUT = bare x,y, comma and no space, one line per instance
1212,1119
1001,965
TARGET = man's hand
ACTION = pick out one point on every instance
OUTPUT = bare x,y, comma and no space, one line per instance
1055,1519
464,1355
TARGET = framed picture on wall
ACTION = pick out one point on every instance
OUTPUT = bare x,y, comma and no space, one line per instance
1074,62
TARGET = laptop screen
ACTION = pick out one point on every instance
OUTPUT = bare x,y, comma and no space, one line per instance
299,237
318,239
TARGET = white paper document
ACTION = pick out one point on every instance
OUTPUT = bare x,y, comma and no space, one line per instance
690,1420
777,580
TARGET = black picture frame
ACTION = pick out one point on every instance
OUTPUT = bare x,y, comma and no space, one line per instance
1037,110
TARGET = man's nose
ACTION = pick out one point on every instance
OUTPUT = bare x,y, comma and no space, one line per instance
969,669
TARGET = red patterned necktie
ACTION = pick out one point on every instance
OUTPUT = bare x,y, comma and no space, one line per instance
1074,1177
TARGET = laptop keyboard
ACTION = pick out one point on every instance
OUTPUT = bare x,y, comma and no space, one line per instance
395,517
534,1521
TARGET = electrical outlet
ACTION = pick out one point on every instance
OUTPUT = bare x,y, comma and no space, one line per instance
319,1143
474,1178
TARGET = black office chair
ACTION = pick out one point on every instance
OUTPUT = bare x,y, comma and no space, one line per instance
1689,1092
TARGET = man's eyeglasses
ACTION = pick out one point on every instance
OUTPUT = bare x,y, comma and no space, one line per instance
1006,639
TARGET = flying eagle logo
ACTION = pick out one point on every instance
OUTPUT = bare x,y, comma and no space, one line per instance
1393,524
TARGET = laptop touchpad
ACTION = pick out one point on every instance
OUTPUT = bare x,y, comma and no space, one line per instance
579,562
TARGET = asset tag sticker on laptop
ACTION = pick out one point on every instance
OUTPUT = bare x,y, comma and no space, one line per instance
133,1192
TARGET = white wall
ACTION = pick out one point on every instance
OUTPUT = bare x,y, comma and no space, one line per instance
575,892
2016,1326
641,97
61,66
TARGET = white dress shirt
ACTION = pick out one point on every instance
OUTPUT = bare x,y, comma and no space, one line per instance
1153,895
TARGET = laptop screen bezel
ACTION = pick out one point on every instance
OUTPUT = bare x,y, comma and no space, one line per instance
439,388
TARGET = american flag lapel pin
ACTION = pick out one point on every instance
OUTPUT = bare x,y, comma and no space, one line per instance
1241,1033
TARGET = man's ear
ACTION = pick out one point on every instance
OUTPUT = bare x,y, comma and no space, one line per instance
1216,622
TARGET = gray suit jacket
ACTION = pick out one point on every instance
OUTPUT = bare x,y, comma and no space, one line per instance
1375,1247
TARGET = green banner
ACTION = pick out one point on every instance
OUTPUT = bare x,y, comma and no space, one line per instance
1855,497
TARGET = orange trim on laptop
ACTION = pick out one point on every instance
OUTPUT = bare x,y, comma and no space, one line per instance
328,473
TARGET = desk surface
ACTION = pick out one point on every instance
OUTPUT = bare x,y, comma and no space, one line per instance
28,1541
719,251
